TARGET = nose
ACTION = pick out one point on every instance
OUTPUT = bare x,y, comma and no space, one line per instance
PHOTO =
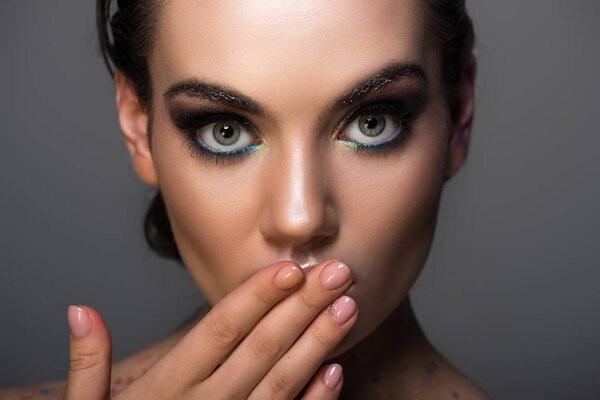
298,209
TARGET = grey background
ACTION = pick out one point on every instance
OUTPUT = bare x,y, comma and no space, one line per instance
509,293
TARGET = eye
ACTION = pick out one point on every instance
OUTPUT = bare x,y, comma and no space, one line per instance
373,129
225,136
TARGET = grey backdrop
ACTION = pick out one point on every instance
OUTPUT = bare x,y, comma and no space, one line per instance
509,293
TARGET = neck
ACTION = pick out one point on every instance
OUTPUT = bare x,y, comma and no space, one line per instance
395,361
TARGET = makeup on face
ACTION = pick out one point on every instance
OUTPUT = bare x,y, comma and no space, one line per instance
218,121
309,142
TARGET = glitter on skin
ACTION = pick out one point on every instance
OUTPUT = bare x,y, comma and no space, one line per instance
430,368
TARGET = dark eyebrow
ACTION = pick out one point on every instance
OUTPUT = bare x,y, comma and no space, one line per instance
215,93
382,78
230,97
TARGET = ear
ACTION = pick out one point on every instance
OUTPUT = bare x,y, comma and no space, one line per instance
462,118
133,119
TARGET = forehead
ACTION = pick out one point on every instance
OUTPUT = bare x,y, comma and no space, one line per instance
262,45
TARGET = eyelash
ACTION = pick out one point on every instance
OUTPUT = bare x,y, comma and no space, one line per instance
394,108
191,121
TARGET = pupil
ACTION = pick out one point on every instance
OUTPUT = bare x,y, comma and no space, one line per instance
226,131
371,122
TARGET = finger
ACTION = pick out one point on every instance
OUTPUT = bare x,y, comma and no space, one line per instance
279,329
90,355
199,352
326,384
292,372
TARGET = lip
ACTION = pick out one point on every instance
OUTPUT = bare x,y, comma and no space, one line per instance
309,263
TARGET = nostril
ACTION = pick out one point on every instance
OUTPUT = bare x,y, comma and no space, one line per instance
314,243
300,234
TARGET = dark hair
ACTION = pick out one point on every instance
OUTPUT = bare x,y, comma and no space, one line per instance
125,36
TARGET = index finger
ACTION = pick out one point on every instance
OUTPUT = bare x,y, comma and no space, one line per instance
199,352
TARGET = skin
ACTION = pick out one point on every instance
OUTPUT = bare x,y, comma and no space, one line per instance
305,195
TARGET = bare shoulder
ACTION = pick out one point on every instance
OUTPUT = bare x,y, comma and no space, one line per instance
39,391
123,372
455,385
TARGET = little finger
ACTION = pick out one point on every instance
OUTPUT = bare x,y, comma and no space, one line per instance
326,384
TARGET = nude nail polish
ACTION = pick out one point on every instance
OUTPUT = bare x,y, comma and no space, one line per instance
288,277
342,310
332,376
79,322
335,275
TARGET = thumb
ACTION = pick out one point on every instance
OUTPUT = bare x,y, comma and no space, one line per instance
90,355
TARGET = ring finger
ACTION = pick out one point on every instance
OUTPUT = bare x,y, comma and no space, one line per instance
292,372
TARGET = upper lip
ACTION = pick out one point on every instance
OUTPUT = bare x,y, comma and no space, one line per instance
305,260
309,263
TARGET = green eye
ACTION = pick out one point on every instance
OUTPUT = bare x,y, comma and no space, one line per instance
225,136
226,133
373,129
371,125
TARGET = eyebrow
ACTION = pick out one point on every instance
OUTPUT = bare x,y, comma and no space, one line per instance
216,94
230,97
385,76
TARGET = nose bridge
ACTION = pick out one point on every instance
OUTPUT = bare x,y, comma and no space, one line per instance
298,208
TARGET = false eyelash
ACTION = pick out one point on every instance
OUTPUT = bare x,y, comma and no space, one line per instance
383,107
190,121
394,108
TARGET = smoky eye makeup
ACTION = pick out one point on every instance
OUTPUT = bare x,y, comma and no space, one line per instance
383,122
374,125
214,133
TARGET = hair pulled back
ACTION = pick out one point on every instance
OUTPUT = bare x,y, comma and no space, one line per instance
125,30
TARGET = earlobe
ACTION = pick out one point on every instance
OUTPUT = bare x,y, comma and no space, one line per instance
462,118
133,120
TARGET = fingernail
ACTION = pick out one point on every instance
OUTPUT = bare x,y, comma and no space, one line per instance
288,276
342,310
79,322
332,376
335,275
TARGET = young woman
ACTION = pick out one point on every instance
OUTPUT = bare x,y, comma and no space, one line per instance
299,149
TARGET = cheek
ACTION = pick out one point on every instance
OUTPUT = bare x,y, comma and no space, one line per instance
390,218
393,195
212,213
391,212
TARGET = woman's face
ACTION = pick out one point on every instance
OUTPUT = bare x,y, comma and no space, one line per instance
300,130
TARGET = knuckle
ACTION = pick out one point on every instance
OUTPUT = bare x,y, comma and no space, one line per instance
223,330
321,337
82,361
263,346
279,385
265,297
310,302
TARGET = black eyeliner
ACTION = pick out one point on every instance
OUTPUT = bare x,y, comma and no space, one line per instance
397,108
189,121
